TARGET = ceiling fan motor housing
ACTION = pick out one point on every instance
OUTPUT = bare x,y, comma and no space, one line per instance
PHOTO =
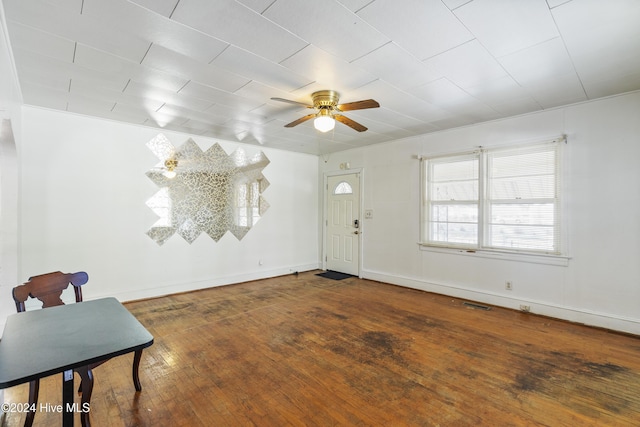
325,99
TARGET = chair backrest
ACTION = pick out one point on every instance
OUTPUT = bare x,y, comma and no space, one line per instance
48,288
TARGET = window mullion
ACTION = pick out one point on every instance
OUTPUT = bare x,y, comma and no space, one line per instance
482,198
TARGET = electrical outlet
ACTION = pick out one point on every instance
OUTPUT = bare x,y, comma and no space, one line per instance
508,285
525,308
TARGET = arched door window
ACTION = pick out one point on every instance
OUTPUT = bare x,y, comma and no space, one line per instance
343,187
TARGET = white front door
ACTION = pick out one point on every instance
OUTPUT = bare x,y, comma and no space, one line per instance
343,223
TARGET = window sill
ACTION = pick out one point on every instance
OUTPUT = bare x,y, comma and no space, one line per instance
557,260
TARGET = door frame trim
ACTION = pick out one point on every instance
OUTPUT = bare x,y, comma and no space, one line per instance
325,214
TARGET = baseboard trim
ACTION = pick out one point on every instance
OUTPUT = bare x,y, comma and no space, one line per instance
179,287
571,314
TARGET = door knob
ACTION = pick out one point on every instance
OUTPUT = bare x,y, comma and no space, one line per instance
356,232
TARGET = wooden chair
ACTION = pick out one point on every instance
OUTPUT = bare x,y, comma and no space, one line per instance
48,289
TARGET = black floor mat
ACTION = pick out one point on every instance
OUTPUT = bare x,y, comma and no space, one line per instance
334,275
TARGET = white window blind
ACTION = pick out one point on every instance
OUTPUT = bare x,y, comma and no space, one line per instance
501,199
522,199
453,200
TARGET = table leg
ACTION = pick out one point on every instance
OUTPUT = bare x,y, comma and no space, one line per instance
67,398
34,387
87,388
136,365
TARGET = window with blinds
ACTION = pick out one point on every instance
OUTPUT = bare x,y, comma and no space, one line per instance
502,199
453,203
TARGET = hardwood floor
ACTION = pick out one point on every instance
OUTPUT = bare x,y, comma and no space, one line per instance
309,351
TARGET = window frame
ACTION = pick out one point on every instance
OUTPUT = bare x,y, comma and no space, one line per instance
483,245
428,202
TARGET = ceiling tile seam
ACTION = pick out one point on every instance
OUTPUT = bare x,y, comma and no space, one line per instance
49,33
373,28
533,45
178,75
564,44
191,96
240,88
495,59
373,50
174,9
419,59
184,122
303,86
121,58
146,53
357,11
368,83
235,72
183,86
525,88
355,14
268,7
295,53
482,44
190,28
558,5
455,47
470,95
274,23
458,7
231,44
221,52
404,50
411,94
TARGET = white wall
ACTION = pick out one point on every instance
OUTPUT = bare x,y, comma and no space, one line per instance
10,100
10,118
601,283
83,208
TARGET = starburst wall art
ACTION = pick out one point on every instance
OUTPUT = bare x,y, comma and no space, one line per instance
211,191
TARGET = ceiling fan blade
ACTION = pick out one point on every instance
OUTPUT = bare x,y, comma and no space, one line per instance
347,121
300,120
358,105
288,101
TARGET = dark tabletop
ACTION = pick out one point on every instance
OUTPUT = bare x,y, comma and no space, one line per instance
40,343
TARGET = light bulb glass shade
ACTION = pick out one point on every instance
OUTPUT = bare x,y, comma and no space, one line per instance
169,174
323,121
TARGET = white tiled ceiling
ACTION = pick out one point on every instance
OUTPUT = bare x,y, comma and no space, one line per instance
211,67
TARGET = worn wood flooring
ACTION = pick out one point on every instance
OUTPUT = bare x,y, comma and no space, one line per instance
309,351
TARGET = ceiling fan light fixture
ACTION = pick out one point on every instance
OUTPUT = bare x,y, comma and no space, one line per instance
324,122
325,102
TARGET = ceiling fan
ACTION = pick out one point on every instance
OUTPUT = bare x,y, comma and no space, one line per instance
328,111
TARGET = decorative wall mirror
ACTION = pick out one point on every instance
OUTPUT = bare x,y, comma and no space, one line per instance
211,191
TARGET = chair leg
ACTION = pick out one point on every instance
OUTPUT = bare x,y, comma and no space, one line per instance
34,388
86,385
136,365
